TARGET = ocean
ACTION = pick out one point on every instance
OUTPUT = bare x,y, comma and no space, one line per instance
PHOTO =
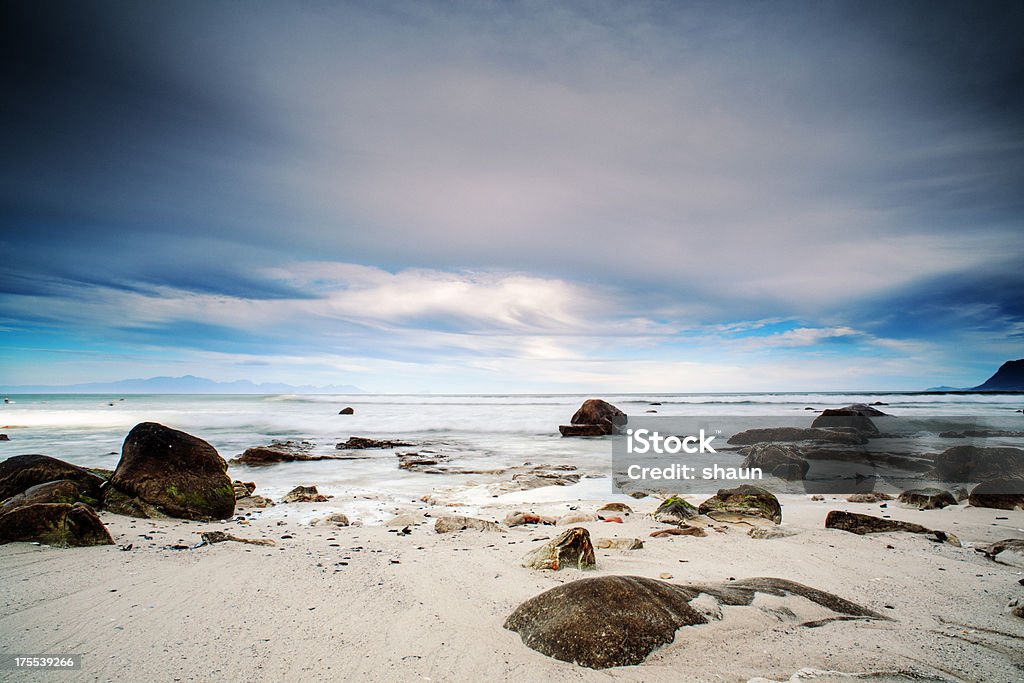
476,431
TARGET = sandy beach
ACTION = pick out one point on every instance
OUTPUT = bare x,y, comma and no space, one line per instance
369,602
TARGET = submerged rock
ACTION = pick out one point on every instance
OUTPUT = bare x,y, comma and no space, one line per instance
356,443
1000,495
777,459
974,463
792,434
675,510
594,418
571,548
177,473
262,456
928,499
608,621
858,416
305,494
742,502
58,524
22,472
860,524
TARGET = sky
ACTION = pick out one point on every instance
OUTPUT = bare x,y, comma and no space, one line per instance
513,196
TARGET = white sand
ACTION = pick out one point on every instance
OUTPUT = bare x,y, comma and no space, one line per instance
235,612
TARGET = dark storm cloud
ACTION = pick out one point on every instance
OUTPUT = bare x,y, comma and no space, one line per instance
828,163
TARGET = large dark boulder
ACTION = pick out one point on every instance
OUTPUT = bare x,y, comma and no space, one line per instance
58,524
22,472
1006,494
610,621
604,621
779,460
974,463
61,491
594,418
179,474
744,501
849,437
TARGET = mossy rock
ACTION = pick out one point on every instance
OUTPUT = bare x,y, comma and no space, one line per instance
62,491
743,501
675,510
177,473
58,524
22,472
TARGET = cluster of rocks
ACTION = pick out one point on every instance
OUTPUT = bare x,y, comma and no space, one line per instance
162,472
245,495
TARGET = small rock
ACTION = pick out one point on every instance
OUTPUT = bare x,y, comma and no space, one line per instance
679,531
770,532
334,519
675,510
521,518
349,410
356,443
664,575
452,523
927,499
406,519
576,518
619,543
305,494
873,497
572,548
744,501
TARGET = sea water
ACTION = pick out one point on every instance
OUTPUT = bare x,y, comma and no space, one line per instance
475,431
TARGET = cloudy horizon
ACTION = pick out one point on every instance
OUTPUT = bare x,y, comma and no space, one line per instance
526,196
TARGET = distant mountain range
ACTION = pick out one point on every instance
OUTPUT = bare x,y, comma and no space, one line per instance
1009,377
189,384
